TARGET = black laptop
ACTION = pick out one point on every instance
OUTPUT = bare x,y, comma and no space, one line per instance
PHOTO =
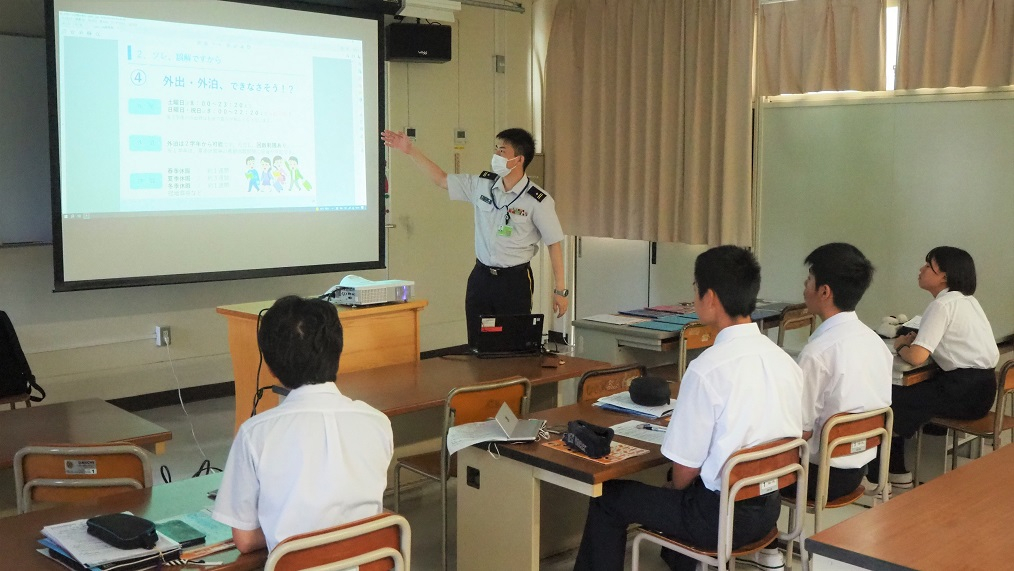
509,335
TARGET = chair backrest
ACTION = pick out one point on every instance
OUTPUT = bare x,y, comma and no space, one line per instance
74,472
694,335
481,402
378,543
1004,389
845,434
760,470
609,381
794,317
763,463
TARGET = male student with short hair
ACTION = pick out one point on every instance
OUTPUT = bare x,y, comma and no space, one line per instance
846,368
317,460
741,392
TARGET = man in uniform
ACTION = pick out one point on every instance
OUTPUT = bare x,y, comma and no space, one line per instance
512,215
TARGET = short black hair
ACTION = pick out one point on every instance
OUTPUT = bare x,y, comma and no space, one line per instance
521,141
958,265
733,274
844,269
301,340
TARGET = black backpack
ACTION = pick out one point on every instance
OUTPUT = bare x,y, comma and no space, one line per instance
16,376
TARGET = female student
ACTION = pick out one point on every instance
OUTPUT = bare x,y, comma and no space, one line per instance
955,332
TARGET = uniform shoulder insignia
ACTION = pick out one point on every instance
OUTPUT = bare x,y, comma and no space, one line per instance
488,175
538,194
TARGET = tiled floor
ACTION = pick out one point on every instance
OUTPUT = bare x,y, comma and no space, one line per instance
212,422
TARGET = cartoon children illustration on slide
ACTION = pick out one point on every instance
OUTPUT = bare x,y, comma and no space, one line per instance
265,173
298,181
278,174
252,175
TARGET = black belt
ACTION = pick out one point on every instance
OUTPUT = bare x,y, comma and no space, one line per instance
504,271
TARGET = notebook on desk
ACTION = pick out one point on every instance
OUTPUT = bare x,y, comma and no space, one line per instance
509,335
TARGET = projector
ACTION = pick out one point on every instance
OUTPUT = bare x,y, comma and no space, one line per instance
385,291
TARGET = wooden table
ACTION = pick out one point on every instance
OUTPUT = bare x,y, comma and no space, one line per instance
374,336
410,387
21,533
955,521
88,421
499,523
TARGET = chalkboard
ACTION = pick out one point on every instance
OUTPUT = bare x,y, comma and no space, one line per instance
896,175
25,208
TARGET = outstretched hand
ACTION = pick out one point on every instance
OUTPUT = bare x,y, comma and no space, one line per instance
397,140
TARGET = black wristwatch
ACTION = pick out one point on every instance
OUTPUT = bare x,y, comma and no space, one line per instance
562,292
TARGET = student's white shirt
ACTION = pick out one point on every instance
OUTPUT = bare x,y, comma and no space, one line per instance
741,392
846,368
317,460
955,331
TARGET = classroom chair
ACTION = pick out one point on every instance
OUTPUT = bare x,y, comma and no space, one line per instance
61,473
991,426
694,336
378,543
794,317
15,399
846,434
463,405
747,474
608,381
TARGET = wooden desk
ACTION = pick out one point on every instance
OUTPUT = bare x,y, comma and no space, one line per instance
409,387
88,421
499,522
21,533
374,336
955,521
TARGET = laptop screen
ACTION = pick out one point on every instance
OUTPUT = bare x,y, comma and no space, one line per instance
501,335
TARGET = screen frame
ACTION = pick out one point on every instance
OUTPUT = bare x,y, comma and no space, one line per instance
349,8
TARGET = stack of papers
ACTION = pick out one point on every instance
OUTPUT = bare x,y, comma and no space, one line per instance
617,319
621,402
71,545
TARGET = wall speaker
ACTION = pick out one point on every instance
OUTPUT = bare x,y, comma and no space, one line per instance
425,43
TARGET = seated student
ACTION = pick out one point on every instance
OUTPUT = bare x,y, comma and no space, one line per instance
955,332
317,460
846,368
741,392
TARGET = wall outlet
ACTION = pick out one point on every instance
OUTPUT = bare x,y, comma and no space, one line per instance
162,335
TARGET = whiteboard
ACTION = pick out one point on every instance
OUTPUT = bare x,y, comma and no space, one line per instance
24,142
895,174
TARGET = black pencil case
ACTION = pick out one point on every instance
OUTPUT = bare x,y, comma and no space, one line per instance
124,531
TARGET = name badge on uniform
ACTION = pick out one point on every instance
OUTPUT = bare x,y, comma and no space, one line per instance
504,230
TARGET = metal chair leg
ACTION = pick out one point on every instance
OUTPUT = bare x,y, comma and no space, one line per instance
397,488
918,457
954,449
443,529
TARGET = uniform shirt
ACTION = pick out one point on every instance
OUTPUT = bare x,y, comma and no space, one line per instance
846,368
742,391
317,460
956,332
531,219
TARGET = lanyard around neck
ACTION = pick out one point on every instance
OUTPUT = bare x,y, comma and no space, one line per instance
508,205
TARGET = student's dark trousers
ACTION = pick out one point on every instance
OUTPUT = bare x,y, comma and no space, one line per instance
508,291
689,515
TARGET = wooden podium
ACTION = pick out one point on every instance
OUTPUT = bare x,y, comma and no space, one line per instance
374,337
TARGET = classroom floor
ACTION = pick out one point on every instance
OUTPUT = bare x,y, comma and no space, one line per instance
212,422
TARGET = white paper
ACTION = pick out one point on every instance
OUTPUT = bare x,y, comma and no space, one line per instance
636,429
617,319
622,400
913,323
90,551
465,435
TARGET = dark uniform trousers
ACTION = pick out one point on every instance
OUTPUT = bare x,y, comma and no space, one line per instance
689,515
497,291
961,394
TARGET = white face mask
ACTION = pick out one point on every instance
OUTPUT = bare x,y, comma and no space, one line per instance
499,166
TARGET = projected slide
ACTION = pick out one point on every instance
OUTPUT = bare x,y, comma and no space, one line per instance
202,140
192,118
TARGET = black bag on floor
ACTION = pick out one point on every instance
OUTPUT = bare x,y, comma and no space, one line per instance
16,376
